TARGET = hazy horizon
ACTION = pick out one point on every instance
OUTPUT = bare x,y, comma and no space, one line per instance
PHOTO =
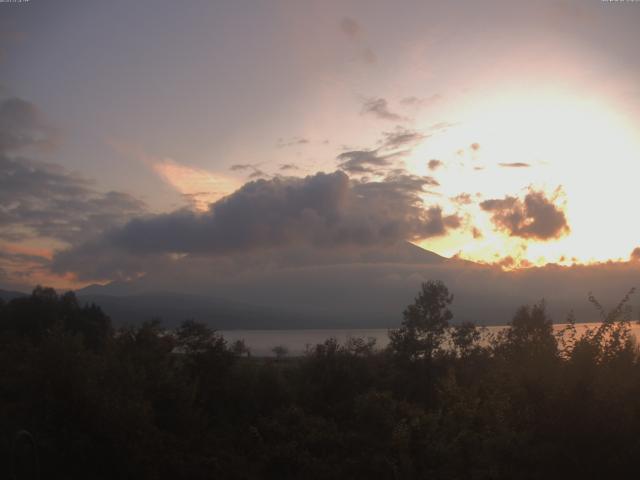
294,150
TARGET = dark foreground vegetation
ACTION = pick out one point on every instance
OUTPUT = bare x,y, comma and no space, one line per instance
441,402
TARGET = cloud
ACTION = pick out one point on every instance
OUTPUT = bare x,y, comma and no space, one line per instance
292,142
241,166
414,101
22,125
44,200
43,203
323,210
256,172
515,165
22,258
198,186
23,267
408,182
350,27
362,161
434,164
536,217
373,161
355,33
462,199
401,137
98,259
287,166
379,108
362,287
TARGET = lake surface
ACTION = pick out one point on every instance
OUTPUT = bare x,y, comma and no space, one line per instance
261,342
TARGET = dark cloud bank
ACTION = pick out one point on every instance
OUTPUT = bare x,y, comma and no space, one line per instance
324,210
534,217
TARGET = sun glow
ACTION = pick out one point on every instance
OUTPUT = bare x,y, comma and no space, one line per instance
553,140
199,186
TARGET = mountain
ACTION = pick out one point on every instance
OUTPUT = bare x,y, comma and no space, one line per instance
363,288
116,288
262,291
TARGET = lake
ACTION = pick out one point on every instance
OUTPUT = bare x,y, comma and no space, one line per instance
261,342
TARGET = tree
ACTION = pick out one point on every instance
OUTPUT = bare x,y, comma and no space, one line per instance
465,338
530,333
44,311
195,337
280,351
239,349
425,323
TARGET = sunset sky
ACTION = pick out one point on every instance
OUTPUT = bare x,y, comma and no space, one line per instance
501,132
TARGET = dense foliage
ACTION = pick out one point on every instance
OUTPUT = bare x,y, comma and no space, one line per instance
443,401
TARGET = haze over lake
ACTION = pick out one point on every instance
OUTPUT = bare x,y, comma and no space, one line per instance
262,342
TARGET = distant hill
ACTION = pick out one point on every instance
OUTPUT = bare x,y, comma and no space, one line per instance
136,301
302,287
173,308
8,295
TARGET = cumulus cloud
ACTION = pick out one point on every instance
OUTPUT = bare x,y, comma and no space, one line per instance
462,199
434,164
535,217
323,210
379,108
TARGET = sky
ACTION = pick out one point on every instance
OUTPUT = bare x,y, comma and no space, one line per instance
137,138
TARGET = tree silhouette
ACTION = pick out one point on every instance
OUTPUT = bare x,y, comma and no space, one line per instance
280,351
425,323
149,402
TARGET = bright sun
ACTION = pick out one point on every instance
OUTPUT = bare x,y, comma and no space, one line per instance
570,141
